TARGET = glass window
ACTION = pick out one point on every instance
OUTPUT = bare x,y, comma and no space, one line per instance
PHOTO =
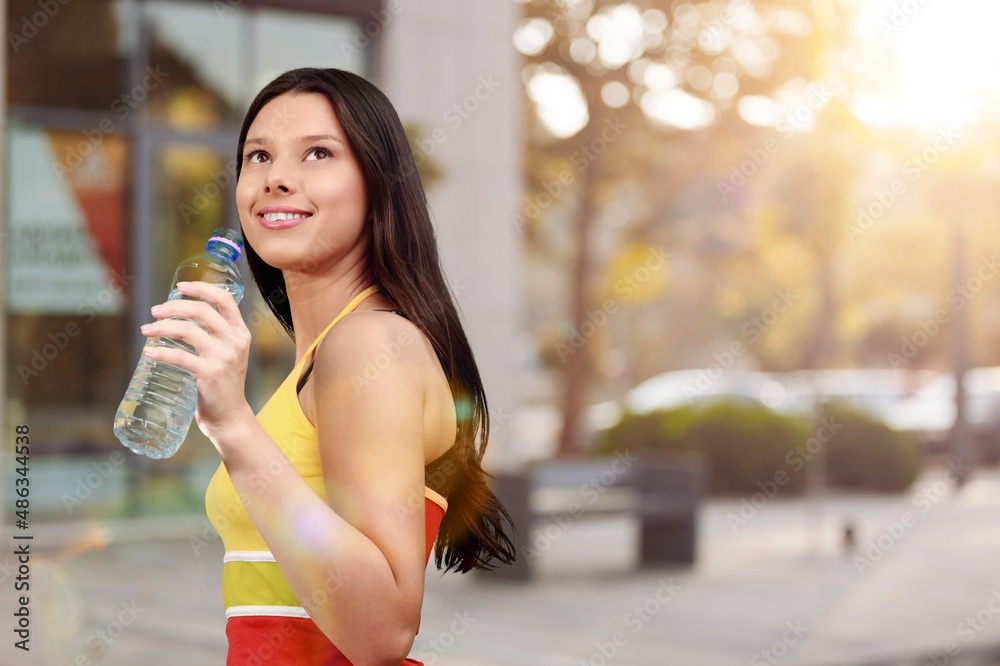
194,195
194,63
66,286
287,40
66,54
72,300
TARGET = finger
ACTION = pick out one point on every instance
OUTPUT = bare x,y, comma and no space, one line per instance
178,357
222,300
184,331
203,313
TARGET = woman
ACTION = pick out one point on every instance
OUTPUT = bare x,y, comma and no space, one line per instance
329,499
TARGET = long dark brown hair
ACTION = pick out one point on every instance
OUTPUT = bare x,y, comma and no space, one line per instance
404,261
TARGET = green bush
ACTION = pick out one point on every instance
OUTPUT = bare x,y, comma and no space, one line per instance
750,448
745,445
865,454
653,431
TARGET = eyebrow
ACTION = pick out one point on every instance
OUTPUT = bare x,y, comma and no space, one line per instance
301,139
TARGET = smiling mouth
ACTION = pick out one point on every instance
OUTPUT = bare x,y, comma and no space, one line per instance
281,217
282,220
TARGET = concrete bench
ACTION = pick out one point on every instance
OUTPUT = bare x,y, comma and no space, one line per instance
662,491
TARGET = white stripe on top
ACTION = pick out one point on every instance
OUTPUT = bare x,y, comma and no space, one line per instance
272,611
248,556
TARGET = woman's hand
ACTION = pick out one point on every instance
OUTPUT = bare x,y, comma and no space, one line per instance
222,344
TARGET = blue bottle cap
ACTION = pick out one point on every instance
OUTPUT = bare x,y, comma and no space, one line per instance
229,237
235,245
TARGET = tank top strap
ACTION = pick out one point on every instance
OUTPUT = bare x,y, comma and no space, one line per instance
347,309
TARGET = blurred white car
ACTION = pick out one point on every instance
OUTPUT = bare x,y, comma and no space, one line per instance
904,400
982,391
879,392
918,402
688,387
936,401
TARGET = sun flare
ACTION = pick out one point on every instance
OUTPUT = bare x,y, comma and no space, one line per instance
945,57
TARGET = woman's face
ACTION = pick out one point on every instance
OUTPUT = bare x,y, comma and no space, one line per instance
301,193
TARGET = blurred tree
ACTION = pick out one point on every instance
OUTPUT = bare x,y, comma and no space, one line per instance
615,86
815,188
859,225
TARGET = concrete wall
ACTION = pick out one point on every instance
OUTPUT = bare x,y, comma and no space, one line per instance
452,68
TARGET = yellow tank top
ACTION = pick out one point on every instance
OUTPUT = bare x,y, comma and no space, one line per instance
252,583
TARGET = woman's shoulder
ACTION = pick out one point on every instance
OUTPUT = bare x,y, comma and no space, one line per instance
375,337
382,356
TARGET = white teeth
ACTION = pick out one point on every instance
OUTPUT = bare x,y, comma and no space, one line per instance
277,217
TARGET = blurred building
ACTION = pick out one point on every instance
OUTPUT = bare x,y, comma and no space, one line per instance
121,120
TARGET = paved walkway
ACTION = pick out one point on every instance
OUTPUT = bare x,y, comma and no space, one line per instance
923,587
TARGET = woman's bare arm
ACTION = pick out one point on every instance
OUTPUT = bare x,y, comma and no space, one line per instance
356,562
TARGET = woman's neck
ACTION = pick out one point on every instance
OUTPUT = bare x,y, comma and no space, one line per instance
314,300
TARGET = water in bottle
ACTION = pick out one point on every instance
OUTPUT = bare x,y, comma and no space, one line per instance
155,415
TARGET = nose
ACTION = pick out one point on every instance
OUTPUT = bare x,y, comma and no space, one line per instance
278,178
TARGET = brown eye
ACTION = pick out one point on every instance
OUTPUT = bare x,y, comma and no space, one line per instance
323,152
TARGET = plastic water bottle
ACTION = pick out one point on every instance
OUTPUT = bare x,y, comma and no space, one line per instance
155,415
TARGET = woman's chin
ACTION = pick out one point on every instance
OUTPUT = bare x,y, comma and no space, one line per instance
296,262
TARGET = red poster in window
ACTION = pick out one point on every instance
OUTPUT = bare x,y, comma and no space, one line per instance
95,174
